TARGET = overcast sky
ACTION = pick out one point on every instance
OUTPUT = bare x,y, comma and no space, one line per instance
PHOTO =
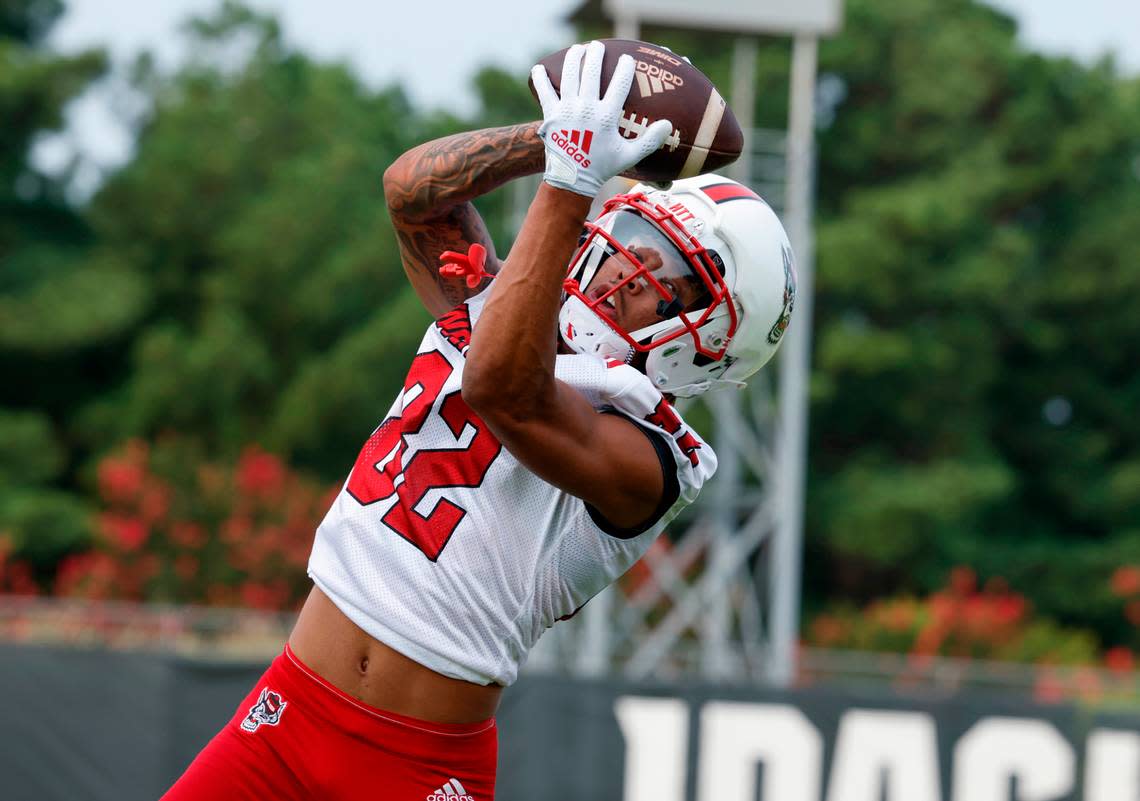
433,47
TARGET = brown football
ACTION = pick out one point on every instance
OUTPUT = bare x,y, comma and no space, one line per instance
706,135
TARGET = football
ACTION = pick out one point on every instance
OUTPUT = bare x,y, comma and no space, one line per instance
706,135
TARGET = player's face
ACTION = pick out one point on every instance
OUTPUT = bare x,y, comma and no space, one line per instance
634,304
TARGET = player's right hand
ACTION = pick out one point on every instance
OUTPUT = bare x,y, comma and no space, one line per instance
584,147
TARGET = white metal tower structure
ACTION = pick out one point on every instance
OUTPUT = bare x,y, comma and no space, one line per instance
718,595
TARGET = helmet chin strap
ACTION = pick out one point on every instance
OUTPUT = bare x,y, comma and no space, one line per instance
724,383
645,334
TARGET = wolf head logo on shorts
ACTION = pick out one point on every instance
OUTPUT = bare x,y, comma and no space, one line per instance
267,711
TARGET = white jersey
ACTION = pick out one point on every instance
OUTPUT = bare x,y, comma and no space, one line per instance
444,547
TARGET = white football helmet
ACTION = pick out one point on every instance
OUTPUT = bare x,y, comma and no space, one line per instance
713,232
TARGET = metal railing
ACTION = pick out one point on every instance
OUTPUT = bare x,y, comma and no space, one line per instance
219,632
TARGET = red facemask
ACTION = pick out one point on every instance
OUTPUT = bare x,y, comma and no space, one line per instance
657,253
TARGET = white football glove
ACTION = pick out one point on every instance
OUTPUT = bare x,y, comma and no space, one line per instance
584,148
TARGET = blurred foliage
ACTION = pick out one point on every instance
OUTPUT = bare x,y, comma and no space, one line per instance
238,283
960,620
47,329
976,339
177,527
253,204
963,621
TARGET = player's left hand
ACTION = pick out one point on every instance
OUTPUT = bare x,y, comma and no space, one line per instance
584,147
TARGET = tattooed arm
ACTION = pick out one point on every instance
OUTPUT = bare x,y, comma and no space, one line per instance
429,191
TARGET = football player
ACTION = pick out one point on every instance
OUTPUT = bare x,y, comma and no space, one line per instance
530,460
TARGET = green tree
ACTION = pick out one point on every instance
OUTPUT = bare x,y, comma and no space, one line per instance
279,312
976,339
57,304
976,333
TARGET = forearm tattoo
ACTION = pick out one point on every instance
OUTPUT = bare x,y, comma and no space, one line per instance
439,174
429,190
421,244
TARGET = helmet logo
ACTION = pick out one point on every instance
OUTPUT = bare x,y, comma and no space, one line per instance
681,212
781,324
692,223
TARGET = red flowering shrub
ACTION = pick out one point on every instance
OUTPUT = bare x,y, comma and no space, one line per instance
16,576
1125,585
961,620
172,528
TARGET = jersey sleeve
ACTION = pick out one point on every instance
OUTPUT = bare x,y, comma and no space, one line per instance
626,390
670,492
629,391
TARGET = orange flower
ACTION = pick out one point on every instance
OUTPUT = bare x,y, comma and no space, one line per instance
262,596
128,533
70,573
20,580
1009,609
155,502
963,581
236,530
1132,612
1126,580
929,640
188,535
943,608
828,630
119,480
1119,660
259,473
977,616
186,566
899,616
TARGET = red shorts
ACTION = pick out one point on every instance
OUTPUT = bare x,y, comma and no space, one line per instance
296,737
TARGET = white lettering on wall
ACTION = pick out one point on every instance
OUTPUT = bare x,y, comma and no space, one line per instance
1112,766
656,734
997,749
736,736
895,749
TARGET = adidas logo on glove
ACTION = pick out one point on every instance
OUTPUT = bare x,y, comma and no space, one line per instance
576,144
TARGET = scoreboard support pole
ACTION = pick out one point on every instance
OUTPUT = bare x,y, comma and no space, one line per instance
795,374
